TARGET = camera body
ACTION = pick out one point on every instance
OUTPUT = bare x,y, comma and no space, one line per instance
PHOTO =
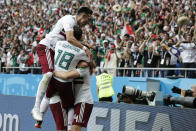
178,91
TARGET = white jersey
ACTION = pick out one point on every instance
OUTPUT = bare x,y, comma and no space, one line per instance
64,24
82,92
67,57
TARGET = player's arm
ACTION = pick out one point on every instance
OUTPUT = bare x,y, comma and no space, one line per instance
79,72
71,39
66,75
68,26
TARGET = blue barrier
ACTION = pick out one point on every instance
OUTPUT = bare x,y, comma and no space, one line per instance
26,85
15,116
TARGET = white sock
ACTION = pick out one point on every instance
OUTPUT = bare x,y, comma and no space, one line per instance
39,97
70,118
44,105
42,89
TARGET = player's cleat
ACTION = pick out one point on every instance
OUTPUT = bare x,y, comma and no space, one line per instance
36,114
38,124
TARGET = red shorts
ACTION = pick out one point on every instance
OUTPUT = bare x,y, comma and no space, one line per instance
59,115
46,58
65,92
82,112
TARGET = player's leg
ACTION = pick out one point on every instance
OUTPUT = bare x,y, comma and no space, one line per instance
46,57
50,92
82,112
44,105
43,108
60,116
66,94
70,118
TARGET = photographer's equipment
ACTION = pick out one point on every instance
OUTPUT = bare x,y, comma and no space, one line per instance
178,91
153,85
138,93
185,101
122,96
128,98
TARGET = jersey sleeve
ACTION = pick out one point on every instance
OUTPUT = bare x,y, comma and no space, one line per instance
68,23
83,71
84,57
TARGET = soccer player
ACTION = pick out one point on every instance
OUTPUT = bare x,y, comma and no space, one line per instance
45,49
67,57
83,97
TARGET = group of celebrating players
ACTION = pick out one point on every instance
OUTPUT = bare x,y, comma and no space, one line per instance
66,65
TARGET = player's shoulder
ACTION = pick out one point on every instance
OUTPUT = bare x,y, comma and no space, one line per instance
68,17
60,43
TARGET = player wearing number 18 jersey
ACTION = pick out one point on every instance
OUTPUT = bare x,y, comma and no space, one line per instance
67,57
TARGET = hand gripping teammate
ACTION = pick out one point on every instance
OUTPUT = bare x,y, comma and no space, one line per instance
62,30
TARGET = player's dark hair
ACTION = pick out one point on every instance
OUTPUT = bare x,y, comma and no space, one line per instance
85,10
77,32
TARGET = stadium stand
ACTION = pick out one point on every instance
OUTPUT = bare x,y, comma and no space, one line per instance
142,33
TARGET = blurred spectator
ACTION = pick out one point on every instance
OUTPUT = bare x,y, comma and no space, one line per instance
172,58
33,60
8,60
111,60
102,51
136,60
14,57
164,60
188,49
23,63
150,57
3,59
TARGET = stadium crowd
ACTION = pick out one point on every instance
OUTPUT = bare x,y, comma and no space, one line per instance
123,33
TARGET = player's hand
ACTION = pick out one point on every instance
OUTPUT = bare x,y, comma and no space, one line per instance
92,66
88,53
55,73
90,57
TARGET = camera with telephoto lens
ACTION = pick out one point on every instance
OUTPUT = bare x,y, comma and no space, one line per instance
178,91
137,96
138,93
185,101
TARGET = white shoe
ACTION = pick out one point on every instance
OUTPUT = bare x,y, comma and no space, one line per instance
36,114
